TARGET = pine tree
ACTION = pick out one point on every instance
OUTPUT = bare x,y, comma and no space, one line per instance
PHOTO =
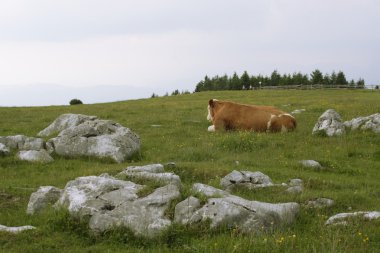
333,78
245,80
360,83
326,79
341,79
235,83
316,77
275,78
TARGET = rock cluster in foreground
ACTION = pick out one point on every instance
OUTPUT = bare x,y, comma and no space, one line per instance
108,202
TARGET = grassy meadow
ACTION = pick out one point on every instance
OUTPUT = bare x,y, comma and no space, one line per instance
174,129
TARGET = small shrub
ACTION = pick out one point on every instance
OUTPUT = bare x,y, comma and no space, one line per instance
75,102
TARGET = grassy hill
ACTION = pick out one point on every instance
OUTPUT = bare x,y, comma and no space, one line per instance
174,129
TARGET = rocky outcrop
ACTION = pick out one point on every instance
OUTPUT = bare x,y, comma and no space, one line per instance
344,218
98,138
329,123
79,135
40,199
248,179
106,203
232,211
41,156
371,122
63,122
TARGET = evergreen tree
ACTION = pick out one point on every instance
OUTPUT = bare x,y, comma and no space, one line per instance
245,80
326,79
200,87
341,79
207,83
316,77
360,83
275,78
300,79
333,78
235,83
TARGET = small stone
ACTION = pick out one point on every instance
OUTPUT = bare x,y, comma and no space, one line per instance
15,230
295,189
296,182
311,164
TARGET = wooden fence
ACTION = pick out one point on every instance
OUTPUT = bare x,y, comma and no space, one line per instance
316,86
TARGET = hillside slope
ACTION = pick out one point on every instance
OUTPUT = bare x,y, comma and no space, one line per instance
174,129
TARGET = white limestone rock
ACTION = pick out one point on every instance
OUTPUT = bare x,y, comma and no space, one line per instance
371,122
63,122
330,122
4,151
15,230
41,156
98,138
185,209
40,199
344,218
248,179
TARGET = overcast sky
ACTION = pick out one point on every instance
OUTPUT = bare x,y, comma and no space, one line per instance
103,51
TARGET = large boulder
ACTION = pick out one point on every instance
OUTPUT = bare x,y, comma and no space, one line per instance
98,138
144,217
371,122
232,211
330,123
41,156
248,179
65,121
85,196
40,199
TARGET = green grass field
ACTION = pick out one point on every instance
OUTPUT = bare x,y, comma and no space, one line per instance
351,176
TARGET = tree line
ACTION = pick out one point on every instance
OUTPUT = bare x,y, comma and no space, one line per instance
246,81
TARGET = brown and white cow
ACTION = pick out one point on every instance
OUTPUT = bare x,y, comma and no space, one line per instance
227,115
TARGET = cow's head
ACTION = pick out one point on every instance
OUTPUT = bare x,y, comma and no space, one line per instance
211,109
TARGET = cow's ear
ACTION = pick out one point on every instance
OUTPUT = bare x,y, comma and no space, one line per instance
211,102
